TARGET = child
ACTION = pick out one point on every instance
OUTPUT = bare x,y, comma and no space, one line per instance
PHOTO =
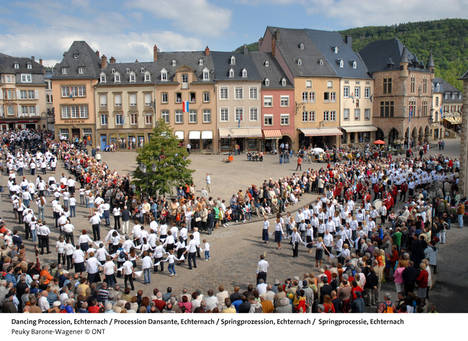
206,247
171,258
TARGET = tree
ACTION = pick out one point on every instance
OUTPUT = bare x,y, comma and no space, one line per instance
162,163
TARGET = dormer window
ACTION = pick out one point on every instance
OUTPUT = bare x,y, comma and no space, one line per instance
64,71
16,66
127,70
174,63
354,64
206,74
80,70
76,55
231,73
299,61
341,62
283,81
267,82
102,78
142,69
335,49
164,75
113,70
147,77
132,78
233,60
200,62
321,61
29,66
116,77
266,63
301,46
244,73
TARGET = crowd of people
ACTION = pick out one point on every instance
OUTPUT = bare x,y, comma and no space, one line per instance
376,220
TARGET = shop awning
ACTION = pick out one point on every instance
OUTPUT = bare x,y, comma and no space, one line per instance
225,133
207,135
359,129
454,119
272,134
321,131
179,134
194,135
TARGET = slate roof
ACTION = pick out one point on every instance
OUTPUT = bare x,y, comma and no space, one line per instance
376,56
442,86
78,55
221,61
7,65
268,68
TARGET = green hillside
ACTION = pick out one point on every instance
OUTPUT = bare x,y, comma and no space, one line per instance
447,39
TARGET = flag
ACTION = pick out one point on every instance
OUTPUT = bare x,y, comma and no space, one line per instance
185,106
410,114
441,113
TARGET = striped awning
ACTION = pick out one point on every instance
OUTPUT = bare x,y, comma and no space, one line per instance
272,134
239,132
359,129
321,131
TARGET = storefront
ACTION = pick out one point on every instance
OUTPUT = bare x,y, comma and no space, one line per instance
207,140
194,140
271,137
357,134
319,137
247,139
76,133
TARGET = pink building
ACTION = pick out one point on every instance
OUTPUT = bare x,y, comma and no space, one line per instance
277,102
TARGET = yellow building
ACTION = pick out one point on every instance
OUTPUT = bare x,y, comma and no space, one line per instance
73,83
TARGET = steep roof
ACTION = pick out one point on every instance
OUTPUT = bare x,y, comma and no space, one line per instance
441,86
79,55
376,56
268,68
222,66
465,76
7,65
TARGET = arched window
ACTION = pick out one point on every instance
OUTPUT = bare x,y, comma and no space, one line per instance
231,73
200,62
244,73
116,77
341,63
102,77
174,63
132,77
354,64
233,60
147,77
266,63
283,81
301,46
299,61
164,75
267,82
206,74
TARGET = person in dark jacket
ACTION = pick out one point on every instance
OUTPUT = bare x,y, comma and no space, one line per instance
409,277
371,287
358,304
326,289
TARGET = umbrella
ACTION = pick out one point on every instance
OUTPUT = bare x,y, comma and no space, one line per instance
318,150
379,142
377,203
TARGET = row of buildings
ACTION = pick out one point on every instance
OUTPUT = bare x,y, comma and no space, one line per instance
303,87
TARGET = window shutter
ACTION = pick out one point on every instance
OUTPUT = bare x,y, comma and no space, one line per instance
18,94
36,94
1,94
37,110
18,110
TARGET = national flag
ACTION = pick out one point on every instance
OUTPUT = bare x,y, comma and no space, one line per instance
410,114
185,106
441,113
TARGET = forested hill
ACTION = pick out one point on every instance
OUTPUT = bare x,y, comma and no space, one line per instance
447,39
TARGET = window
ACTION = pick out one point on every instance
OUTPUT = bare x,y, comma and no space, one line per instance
357,114
412,108
148,99
49,98
223,93
346,92
231,73
267,82
116,77
10,110
283,82
424,108
164,97
266,63
299,61
206,74
413,84
147,77
133,119
165,115
329,115
387,86
239,114
284,119
26,78
193,116
357,92
424,85
102,78
119,120
333,96
305,96
118,100
80,70
335,49
224,115
103,100
268,120
354,64
192,97
200,62
28,110
132,99
366,92
244,73
164,75
253,114
332,115
239,93
148,119
345,114
253,93
132,77
179,117
104,119
206,116
184,78
367,114
437,101
74,111
329,84
267,101
326,96
308,116
284,101
341,63
64,71
308,83
233,60
178,98
174,63
301,46
206,97
16,66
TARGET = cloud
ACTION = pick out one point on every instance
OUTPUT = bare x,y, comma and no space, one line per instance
198,16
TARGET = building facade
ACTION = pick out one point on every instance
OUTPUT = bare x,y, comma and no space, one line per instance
22,93
450,108
238,92
402,92
73,82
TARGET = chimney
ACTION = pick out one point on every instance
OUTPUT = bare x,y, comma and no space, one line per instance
348,40
207,51
32,58
112,60
103,61
97,53
274,40
155,53
40,61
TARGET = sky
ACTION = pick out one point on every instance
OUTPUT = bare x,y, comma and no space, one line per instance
128,29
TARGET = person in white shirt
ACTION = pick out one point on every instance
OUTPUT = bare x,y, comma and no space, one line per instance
92,267
192,251
60,247
43,303
262,269
261,287
69,249
117,215
72,203
206,250
295,240
196,237
158,256
78,260
109,269
265,233
84,240
279,233
127,268
101,254
95,220
146,265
